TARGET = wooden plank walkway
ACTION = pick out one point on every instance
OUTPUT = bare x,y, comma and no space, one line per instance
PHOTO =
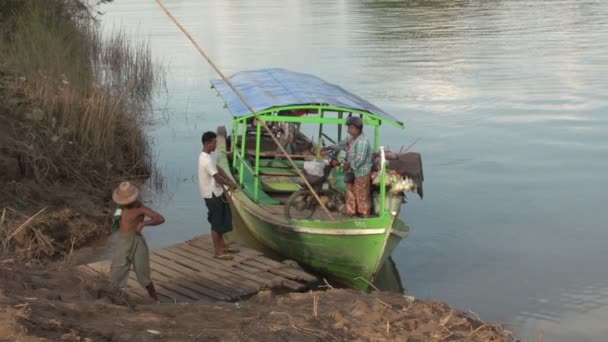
188,272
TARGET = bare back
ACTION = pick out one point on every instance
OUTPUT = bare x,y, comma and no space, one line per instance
133,218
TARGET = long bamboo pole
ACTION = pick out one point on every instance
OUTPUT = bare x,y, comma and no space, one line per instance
249,107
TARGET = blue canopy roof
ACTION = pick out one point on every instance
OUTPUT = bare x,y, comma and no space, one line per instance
269,88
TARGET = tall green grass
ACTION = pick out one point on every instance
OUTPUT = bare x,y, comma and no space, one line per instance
93,89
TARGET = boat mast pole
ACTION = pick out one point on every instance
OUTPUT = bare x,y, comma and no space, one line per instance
249,107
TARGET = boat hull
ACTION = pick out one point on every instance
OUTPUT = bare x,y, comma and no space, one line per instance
348,251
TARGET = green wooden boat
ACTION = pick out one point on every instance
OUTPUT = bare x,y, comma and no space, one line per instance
347,250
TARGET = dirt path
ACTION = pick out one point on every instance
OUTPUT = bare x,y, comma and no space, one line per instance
55,303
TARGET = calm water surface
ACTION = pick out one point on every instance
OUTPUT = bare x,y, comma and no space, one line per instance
507,97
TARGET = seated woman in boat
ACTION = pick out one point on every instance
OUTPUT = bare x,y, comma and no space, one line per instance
289,132
359,165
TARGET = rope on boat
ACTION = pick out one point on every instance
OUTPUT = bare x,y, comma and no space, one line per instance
249,107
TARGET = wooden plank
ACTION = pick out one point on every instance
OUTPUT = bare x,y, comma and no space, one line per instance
217,275
194,285
254,259
133,288
207,252
245,288
163,291
178,287
245,255
133,284
292,285
251,152
213,288
277,173
266,271
289,272
138,296
293,273
206,243
196,254
279,163
228,265
246,272
277,271
101,266
203,279
260,277
189,272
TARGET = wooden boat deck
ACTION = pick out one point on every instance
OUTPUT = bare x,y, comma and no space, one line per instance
188,272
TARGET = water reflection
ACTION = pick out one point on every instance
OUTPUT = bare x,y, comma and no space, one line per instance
508,96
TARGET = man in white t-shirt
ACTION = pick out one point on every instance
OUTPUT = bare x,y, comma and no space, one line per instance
211,182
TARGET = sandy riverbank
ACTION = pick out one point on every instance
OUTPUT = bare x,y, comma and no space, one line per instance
55,302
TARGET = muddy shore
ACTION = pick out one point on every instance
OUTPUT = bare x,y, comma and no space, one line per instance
55,302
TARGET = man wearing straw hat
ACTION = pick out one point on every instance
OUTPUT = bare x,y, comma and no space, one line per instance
131,248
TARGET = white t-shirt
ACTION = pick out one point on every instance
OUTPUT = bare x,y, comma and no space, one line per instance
207,168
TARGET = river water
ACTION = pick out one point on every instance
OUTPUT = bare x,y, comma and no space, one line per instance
508,99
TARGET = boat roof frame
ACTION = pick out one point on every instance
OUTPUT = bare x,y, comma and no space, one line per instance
268,114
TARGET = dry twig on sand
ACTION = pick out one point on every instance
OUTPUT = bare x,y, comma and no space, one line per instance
23,225
368,283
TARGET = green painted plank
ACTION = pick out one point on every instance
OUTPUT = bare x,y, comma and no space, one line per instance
249,186
287,172
281,186
279,163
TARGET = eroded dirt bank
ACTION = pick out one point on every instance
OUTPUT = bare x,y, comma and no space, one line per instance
54,303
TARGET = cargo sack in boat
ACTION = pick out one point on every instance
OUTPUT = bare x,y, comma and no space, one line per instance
314,168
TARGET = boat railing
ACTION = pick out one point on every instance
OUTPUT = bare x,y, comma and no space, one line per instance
242,165
382,181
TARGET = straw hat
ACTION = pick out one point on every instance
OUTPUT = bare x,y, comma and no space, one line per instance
125,194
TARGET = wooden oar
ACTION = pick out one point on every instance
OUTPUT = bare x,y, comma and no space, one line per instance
249,107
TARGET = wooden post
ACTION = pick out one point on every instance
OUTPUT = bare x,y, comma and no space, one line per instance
340,115
377,137
320,113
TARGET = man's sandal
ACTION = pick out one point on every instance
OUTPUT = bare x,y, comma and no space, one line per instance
223,257
231,250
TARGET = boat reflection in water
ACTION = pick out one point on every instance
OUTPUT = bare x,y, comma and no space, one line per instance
387,279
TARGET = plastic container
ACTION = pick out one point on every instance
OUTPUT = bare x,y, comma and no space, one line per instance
392,204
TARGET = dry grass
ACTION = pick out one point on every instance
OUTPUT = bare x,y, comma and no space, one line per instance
92,91
73,112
